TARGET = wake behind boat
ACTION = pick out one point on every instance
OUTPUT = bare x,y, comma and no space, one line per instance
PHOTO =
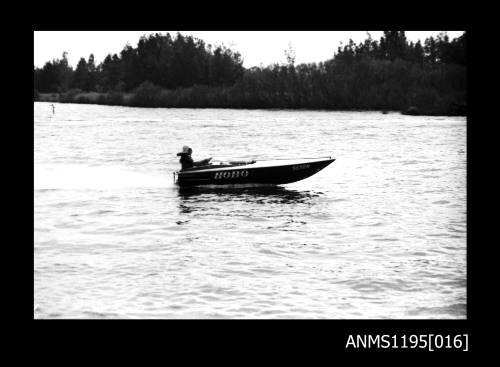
249,173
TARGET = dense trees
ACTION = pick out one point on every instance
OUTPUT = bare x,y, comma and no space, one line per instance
180,71
393,45
55,76
169,63
390,75
165,61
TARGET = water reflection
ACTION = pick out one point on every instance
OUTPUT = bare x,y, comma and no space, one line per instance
197,198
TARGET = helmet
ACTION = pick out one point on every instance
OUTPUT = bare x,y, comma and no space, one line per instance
185,149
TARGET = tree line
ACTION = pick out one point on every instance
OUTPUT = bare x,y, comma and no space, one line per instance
168,62
180,71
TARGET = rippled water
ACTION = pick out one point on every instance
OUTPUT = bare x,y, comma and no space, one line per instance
380,233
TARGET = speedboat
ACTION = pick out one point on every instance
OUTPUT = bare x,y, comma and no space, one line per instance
251,173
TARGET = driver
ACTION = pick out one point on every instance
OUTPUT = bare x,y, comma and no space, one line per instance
187,161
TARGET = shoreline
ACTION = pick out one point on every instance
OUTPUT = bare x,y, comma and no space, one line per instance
128,100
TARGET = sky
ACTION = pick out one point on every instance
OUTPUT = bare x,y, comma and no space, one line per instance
257,48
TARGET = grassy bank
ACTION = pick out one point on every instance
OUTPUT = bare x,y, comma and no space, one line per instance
110,98
149,95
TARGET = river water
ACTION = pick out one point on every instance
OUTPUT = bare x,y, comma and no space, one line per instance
379,233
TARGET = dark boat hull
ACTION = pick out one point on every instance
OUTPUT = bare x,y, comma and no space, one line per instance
251,175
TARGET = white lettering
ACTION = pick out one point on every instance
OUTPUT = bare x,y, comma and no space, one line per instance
230,174
350,341
373,340
361,339
386,343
